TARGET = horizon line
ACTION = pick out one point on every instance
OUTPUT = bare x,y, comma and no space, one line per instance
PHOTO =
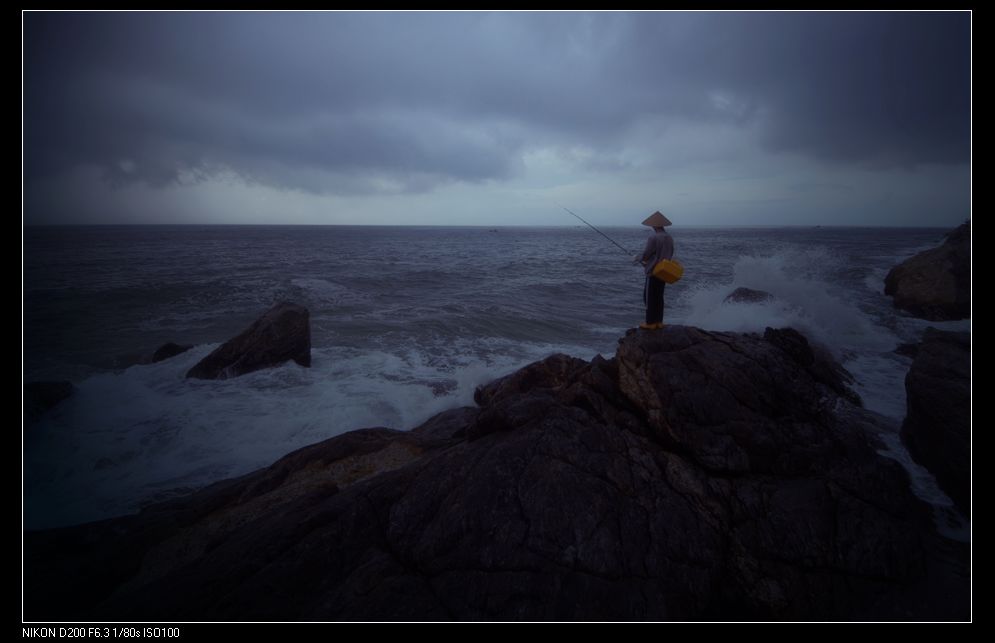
450,225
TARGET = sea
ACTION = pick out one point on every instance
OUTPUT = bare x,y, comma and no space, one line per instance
405,323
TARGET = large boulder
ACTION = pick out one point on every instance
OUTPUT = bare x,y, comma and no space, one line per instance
736,404
696,475
283,333
937,427
935,284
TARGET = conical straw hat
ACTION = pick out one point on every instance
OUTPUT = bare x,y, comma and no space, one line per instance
657,220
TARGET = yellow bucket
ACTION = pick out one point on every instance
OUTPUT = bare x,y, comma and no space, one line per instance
668,271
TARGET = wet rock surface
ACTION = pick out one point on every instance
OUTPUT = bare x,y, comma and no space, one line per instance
697,475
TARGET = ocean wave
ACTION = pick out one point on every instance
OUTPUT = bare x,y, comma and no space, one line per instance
806,296
146,433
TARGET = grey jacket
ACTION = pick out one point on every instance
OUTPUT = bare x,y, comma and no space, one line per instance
658,247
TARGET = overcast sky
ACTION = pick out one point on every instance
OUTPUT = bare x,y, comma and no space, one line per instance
497,118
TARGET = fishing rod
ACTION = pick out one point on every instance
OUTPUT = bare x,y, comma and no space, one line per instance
598,231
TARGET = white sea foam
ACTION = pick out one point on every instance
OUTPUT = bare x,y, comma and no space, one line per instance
949,521
804,298
874,281
146,433
328,292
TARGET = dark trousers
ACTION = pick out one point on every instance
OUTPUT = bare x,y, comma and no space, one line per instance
653,298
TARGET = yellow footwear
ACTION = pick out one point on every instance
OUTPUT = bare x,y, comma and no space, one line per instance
651,326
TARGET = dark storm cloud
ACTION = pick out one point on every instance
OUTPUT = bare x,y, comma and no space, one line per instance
370,102
889,88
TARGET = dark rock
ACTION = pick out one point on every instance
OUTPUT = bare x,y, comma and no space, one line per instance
937,427
550,373
935,284
908,350
127,360
696,475
791,342
282,333
749,296
42,396
733,403
447,425
169,349
816,359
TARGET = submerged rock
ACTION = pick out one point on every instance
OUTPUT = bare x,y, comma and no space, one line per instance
696,475
937,427
169,349
935,284
127,360
748,296
283,333
39,397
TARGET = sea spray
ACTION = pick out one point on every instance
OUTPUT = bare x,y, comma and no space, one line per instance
147,433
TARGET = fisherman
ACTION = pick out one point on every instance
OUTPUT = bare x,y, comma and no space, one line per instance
660,246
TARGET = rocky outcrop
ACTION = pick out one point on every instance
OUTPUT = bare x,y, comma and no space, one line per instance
696,475
935,284
169,349
937,427
748,296
283,333
39,397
